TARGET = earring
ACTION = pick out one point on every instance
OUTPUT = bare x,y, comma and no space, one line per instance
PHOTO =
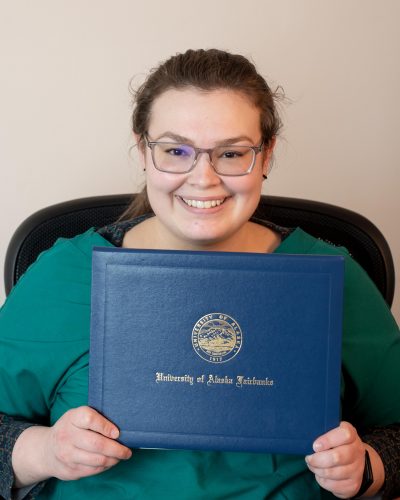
265,177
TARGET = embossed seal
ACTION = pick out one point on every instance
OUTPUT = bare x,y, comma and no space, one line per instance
217,337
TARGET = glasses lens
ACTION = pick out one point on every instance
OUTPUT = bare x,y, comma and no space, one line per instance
233,160
173,157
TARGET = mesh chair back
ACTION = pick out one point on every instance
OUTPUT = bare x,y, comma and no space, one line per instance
331,223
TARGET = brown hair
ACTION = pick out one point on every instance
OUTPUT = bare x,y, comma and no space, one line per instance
206,70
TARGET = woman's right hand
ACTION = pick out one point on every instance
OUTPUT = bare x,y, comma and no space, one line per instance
81,443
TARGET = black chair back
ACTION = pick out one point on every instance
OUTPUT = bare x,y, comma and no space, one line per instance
337,225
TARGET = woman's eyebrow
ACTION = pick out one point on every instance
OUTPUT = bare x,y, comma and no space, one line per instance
234,140
174,137
186,140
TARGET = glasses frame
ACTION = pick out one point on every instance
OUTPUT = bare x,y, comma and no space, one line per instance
198,151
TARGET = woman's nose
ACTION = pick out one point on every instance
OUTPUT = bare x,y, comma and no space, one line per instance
203,172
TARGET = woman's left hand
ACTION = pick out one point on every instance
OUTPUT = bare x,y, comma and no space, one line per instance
338,461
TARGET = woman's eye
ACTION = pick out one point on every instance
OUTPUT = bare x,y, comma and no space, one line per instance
231,154
177,152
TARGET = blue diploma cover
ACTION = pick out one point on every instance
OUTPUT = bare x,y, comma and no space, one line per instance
216,351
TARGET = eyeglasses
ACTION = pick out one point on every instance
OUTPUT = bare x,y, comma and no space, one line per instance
176,158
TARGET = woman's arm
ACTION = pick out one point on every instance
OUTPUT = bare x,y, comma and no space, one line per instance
386,441
370,384
81,443
10,430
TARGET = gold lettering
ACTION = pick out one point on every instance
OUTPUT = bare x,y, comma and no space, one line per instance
241,381
168,377
215,359
215,379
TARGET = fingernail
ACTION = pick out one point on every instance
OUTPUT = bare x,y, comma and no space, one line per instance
114,433
317,446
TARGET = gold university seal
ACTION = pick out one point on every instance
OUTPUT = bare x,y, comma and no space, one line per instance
217,337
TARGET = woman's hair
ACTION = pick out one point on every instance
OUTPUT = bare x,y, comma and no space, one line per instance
205,70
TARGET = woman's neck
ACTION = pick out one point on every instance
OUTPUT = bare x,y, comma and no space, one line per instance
253,238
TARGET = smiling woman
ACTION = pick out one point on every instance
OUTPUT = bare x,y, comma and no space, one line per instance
205,123
202,208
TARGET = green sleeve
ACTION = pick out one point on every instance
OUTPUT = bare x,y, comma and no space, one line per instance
371,341
44,332
371,353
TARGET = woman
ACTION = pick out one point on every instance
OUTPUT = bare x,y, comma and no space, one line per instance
205,124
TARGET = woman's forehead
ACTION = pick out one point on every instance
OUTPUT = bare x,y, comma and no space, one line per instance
191,111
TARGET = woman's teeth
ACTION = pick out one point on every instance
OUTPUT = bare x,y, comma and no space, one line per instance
203,204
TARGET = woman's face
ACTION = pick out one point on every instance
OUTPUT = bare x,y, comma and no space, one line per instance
181,202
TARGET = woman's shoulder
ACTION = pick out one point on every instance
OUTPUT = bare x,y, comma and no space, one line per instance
68,251
81,244
296,240
301,242
358,286
60,276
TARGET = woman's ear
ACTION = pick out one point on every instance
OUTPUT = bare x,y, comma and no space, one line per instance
267,157
141,148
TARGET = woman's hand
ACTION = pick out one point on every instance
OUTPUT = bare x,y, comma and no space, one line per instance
81,443
339,459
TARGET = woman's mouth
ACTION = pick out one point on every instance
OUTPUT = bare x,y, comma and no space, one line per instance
203,203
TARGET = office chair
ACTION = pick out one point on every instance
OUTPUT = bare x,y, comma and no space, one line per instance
336,225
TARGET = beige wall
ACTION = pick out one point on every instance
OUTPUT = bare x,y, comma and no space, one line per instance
64,103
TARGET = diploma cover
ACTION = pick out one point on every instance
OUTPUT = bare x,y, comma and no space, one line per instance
216,351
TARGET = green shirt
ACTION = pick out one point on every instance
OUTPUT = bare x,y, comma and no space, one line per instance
44,342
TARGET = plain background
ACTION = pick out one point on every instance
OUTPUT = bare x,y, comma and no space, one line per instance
65,104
